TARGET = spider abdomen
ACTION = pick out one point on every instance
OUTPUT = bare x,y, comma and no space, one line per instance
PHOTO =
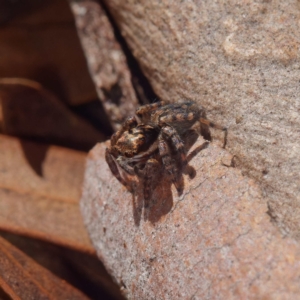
180,116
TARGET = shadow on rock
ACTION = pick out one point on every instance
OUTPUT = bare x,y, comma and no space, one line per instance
161,200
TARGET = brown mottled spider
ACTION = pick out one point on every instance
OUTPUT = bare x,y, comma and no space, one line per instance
152,141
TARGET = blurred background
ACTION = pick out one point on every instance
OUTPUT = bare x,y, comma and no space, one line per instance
39,43
50,116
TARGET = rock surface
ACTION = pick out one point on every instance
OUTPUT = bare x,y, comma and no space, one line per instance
240,60
106,60
215,241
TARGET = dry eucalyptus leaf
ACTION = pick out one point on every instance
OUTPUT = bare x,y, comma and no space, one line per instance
40,187
81,270
40,42
30,111
22,278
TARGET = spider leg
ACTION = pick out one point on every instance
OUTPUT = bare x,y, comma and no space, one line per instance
143,157
169,164
115,170
217,126
171,134
150,176
123,163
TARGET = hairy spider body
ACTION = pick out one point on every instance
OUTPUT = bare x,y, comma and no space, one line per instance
152,141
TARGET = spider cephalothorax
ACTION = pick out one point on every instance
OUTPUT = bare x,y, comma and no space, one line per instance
152,141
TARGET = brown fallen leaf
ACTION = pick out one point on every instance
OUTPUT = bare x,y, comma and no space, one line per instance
30,111
40,42
79,269
40,187
1,119
40,184
215,241
22,278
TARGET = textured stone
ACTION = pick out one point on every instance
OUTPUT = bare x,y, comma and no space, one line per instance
240,60
106,60
216,241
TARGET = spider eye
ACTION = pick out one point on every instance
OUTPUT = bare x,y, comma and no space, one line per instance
142,139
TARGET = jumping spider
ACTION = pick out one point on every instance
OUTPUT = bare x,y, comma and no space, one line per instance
152,141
